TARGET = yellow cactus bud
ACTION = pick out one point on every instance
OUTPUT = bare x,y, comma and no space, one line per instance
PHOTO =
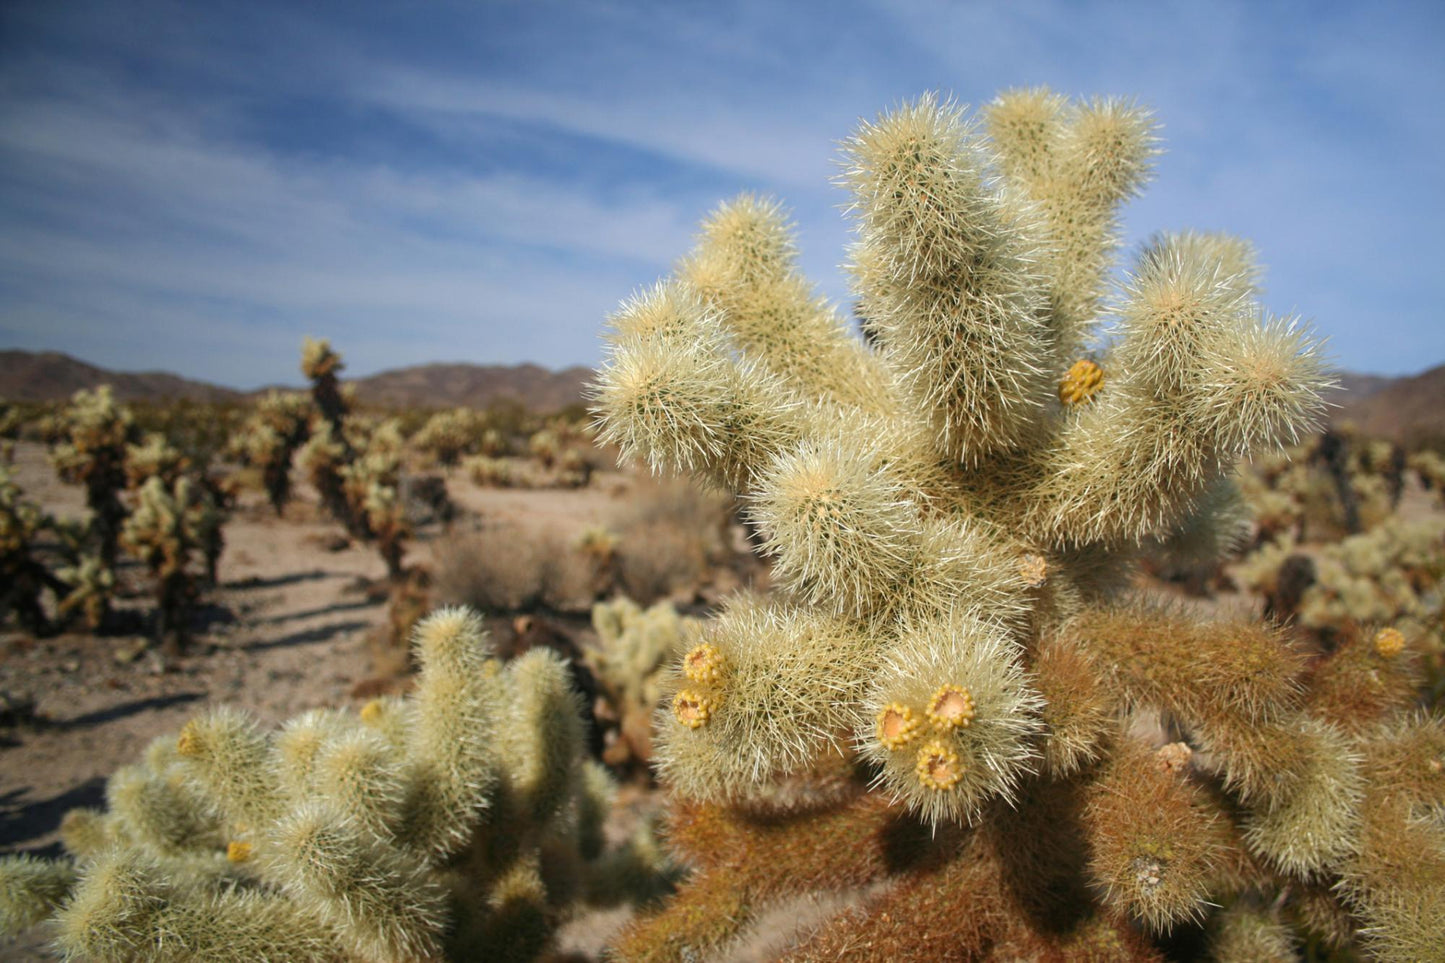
951,707
897,725
938,766
371,711
692,708
1389,643
1034,569
237,851
1081,383
704,663
189,744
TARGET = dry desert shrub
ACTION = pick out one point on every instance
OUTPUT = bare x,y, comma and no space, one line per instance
670,535
507,570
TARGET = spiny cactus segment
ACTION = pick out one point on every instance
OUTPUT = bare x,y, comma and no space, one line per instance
953,509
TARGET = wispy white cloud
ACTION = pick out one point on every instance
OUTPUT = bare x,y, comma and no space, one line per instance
488,185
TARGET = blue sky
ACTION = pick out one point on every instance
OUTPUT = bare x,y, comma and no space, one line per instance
195,186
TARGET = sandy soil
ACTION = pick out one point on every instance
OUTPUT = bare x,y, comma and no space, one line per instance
289,628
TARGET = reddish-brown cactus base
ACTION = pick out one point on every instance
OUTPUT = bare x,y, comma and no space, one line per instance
747,860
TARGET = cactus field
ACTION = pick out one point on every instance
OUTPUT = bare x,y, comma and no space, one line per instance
1041,611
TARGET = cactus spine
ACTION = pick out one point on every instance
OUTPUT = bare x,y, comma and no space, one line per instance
951,512
451,824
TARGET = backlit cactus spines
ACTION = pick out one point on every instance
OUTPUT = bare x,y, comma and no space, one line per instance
451,742
945,268
790,693
1077,162
401,834
94,433
171,527
269,439
230,765
952,546
631,662
379,899
680,400
31,889
541,736
745,268
960,677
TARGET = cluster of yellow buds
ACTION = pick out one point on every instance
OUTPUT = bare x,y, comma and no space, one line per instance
705,665
1081,382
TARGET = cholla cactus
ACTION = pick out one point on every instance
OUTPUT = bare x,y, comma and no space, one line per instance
94,435
447,435
546,446
562,446
1429,467
370,484
90,588
356,466
951,511
489,471
322,365
154,457
454,824
322,458
635,651
170,527
23,576
268,441
11,421
1390,575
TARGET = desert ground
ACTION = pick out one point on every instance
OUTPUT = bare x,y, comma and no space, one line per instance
292,625
299,620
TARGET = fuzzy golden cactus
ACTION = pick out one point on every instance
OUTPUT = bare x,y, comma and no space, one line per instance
448,435
268,440
24,576
94,435
355,465
169,532
951,525
635,651
452,824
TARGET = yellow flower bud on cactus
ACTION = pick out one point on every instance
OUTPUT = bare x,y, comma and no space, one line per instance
1389,642
1034,570
704,663
238,852
951,707
1081,382
189,744
938,766
692,708
897,725
371,712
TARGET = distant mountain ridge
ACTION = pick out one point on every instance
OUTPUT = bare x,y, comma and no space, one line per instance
1409,409
53,376
474,386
